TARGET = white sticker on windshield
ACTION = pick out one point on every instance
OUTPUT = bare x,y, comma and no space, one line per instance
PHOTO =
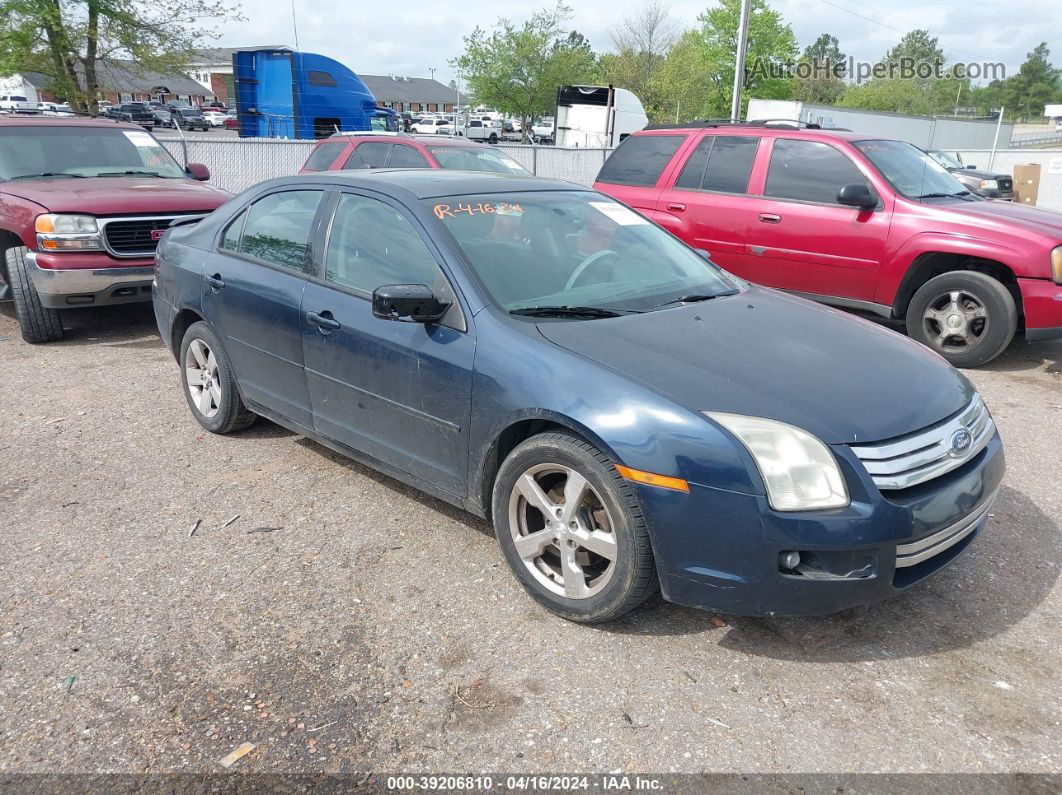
620,214
140,138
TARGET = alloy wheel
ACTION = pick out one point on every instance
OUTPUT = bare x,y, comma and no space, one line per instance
202,377
562,531
955,321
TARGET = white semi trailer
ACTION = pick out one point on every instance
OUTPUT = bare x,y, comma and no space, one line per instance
596,116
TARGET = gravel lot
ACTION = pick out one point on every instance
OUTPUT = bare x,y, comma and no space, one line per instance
377,629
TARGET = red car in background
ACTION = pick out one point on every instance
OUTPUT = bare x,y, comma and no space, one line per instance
854,220
401,150
83,204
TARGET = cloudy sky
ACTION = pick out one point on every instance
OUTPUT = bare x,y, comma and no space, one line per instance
410,37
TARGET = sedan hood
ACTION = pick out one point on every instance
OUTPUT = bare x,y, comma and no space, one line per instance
118,195
768,354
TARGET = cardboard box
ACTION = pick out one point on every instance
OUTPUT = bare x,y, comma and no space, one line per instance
1026,183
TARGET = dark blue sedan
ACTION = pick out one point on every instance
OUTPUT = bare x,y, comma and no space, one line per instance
629,416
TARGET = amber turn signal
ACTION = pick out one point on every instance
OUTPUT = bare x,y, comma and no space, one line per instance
649,479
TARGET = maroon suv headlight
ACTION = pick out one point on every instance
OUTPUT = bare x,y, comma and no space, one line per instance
63,232
1056,265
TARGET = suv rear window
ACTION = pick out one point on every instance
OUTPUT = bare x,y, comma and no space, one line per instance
324,156
640,159
720,163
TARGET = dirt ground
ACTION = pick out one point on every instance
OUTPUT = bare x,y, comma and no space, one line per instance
346,623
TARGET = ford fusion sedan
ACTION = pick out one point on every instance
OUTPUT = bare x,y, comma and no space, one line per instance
628,415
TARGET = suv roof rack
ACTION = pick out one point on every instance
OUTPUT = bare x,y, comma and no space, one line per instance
809,125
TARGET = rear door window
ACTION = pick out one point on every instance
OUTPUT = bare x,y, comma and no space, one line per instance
369,155
277,229
640,160
809,171
324,156
720,163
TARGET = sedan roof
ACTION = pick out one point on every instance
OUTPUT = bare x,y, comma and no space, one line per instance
426,183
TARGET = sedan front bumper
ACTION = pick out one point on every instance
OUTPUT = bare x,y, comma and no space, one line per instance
722,550
84,285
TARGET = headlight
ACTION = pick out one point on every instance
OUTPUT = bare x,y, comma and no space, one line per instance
799,471
67,232
989,184
1056,265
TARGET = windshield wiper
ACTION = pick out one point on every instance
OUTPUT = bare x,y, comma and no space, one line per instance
568,311
130,172
944,195
49,174
693,298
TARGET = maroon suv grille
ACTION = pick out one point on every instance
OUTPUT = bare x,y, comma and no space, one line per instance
134,236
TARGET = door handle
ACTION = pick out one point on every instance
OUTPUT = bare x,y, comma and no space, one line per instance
770,218
675,207
323,320
215,282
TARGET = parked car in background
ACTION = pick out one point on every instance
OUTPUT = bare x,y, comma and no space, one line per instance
190,119
163,116
398,150
133,113
216,105
627,415
215,117
54,109
428,125
990,184
542,131
865,223
14,103
487,130
232,121
83,203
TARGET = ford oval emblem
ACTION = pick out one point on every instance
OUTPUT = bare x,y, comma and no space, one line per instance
960,442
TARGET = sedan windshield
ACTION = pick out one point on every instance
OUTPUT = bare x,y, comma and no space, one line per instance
574,254
467,158
82,152
910,170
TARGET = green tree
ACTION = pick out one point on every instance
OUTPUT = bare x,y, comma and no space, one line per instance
684,83
642,42
1036,84
771,48
71,41
821,72
517,69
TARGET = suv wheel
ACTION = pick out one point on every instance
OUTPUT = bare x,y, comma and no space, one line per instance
209,385
965,316
571,529
37,323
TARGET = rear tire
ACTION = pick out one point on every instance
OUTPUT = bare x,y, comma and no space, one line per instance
590,563
209,384
965,316
37,323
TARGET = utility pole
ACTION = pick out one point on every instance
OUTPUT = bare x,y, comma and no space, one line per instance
294,25
995,141
739,61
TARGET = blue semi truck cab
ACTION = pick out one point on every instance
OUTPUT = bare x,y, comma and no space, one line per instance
286,94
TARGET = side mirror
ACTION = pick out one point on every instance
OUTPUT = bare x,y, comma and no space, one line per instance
858,194
198,171
409,302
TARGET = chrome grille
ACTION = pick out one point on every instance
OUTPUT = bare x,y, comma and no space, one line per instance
914,552
927,454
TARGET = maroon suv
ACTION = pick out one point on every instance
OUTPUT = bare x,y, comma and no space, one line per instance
83,203
853,220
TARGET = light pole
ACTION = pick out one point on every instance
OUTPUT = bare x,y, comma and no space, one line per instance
432,70
739,61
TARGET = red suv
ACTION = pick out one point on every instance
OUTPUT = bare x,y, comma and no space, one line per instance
83,203
401,150
865,223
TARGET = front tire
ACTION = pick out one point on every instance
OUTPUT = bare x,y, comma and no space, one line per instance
965,316
36,322
571,529
209,384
